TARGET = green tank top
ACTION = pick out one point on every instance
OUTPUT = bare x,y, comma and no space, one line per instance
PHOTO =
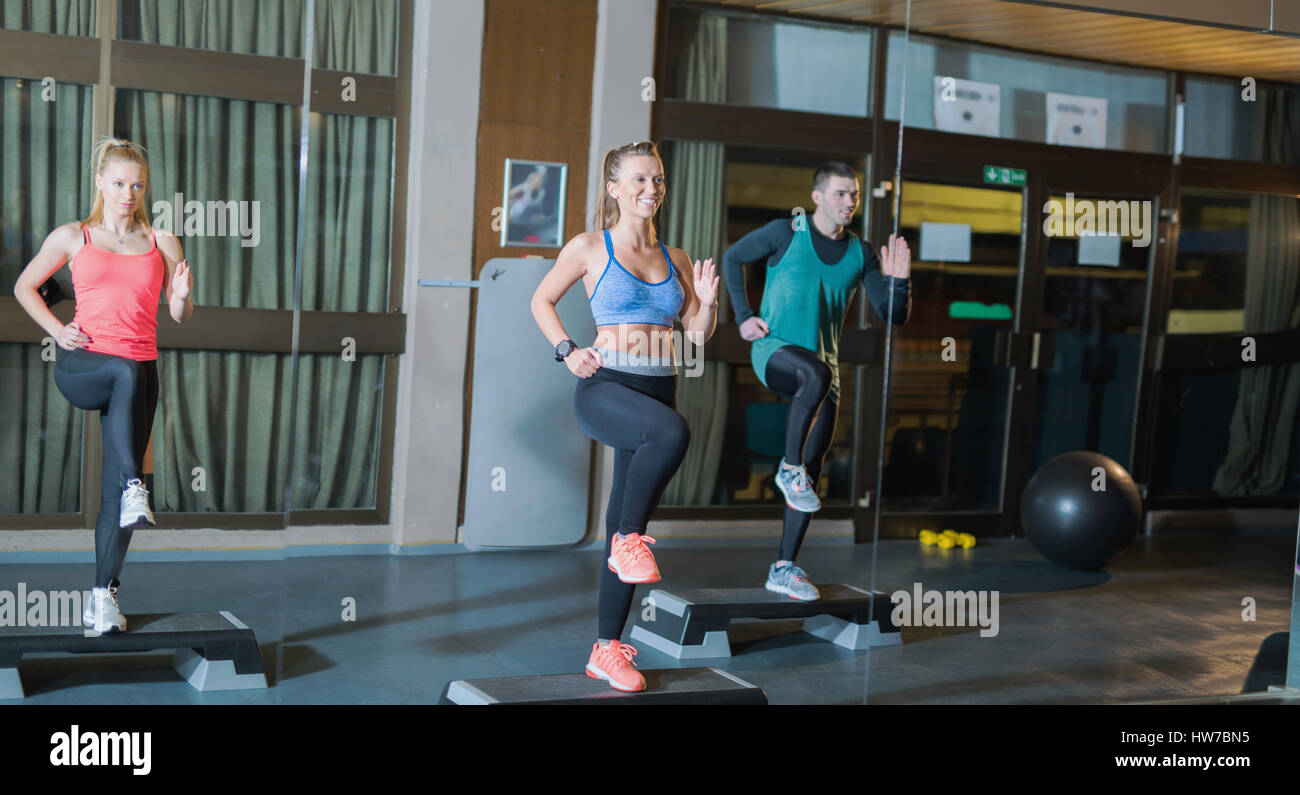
804,303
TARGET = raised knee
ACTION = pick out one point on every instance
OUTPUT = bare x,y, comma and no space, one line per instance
822,375
678,436
126,370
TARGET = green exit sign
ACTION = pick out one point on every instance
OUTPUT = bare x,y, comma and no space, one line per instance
1001,175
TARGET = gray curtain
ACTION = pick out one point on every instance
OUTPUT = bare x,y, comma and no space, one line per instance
346,263
41,187
229,413
695,221
60,17
349,35
226,413
1259,435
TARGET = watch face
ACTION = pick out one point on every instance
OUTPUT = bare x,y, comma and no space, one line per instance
565,348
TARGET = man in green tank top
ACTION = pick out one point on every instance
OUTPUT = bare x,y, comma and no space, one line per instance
814,267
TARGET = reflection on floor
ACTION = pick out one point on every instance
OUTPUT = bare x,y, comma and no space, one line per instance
1165,622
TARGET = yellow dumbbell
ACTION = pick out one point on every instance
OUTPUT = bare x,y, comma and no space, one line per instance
965,540
947,542
928,537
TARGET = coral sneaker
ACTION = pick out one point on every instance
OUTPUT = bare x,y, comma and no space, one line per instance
631,560
614,664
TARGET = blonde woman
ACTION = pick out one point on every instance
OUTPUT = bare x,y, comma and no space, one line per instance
108,362
626,393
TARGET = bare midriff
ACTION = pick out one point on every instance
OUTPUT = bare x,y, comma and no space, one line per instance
639,339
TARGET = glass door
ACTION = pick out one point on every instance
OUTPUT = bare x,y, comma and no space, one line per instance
1096,258
949,389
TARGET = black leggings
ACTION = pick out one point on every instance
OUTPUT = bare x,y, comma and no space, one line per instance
635,415
126,393
799,375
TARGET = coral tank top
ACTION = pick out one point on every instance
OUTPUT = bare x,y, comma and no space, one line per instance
117,299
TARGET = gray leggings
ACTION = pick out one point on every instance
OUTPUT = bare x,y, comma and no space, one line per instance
125,392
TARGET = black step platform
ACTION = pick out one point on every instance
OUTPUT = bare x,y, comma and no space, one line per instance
214,651
691,623
680,686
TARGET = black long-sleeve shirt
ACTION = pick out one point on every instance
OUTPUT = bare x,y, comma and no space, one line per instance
772,240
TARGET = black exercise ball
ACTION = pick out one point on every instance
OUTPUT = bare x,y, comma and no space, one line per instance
1068,517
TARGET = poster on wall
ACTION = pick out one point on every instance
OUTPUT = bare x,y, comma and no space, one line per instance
1076,121
533,199
967,106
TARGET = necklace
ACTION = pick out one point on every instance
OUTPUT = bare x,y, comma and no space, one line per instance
126,232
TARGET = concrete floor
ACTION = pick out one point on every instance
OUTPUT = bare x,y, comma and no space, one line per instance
1164,622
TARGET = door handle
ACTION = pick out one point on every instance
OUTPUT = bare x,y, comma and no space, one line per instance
1034,350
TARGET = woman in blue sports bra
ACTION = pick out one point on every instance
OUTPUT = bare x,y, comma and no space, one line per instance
626,395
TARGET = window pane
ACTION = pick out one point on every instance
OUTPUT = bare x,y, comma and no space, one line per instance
1206,448
218,440
40,435
62,17
946,414
1210,275
340,403
224,178
1222,123
745,60
42,185
1110,107
356,36
256,28
349,214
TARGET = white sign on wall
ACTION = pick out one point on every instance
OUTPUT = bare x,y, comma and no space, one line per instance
1076,121
945,242
966,106
1099,250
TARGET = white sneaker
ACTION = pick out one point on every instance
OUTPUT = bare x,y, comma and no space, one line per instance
103,613
135,507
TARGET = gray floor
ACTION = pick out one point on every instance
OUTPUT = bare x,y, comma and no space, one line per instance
1164,622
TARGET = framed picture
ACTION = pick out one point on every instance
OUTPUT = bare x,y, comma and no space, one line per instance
534,204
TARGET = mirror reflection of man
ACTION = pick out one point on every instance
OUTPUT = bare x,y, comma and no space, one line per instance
814,267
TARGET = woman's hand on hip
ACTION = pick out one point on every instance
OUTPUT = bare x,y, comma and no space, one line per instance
583,362
72,337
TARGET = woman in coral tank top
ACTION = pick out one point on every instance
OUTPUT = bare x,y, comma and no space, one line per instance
119,266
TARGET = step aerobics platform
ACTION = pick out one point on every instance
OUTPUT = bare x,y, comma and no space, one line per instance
214,651
691,623
669,686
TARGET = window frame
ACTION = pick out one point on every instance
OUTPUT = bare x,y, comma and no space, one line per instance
106,63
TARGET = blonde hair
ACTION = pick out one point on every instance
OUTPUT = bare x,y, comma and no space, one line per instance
607,209
110,150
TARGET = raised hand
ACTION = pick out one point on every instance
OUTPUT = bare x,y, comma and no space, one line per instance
706,282
181,280
896,258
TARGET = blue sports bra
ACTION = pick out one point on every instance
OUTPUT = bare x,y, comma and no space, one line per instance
628,299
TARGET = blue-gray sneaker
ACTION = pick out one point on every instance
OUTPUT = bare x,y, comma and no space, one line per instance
797,488
793,582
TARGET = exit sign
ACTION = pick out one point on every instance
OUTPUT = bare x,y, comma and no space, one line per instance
1001,175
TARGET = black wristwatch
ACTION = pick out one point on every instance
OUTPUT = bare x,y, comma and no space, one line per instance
564,349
